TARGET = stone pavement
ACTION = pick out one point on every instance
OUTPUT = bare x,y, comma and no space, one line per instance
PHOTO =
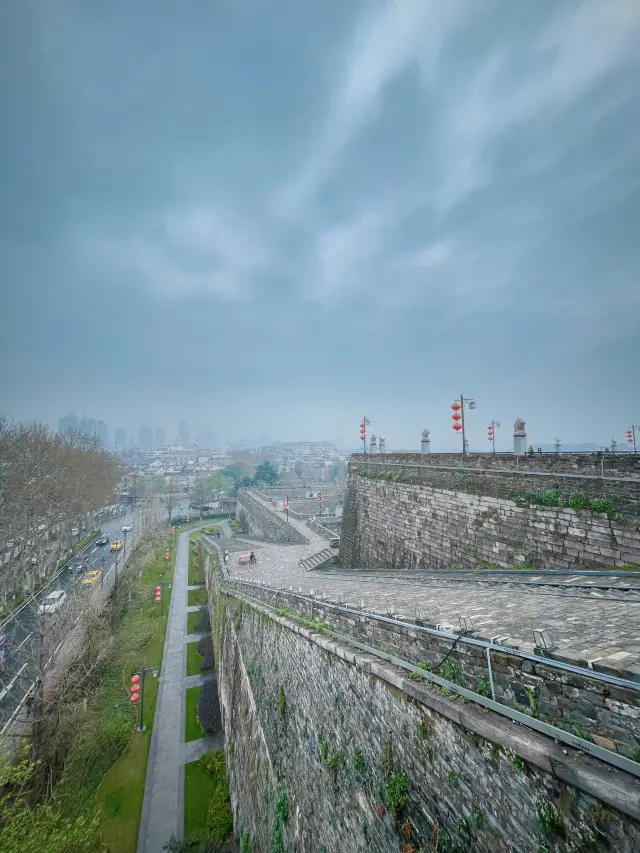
589,627
163,804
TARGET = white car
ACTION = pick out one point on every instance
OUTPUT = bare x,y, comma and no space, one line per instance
52,603
127,528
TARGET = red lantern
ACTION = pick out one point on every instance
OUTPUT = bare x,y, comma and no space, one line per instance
135,688
135,678
456,416
456,407
457,427
134,697
630,436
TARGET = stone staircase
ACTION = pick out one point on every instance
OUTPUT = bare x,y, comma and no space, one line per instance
317,561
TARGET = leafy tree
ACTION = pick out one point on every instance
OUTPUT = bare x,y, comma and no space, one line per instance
238,469
266,473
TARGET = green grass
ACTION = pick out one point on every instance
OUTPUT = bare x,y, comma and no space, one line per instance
192,622
121,793
193,731
193,659
197,597
198,790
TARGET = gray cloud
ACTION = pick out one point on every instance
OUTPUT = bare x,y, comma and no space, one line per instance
273,220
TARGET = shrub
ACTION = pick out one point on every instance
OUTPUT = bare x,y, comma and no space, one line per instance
219,816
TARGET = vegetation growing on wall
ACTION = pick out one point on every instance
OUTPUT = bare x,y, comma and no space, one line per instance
555,498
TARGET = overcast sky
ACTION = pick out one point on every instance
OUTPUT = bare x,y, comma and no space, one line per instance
277,217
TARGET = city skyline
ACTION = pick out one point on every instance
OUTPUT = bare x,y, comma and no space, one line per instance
431,199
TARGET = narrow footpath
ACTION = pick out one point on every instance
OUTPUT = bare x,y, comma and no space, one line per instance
163,806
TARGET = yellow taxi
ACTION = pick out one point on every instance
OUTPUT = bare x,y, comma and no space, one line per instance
116,545
92,577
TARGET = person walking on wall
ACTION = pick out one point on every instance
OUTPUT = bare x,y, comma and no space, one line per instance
252,559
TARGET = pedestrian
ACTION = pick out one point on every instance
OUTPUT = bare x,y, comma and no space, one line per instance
252,559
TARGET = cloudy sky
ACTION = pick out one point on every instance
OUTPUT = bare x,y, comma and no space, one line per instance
277,217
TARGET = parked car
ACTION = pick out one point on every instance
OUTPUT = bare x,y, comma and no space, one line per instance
92,577
127,528
102,540
52,603
116,545
75,531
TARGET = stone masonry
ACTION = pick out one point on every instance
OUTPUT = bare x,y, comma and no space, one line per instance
258,521
331,749
399,525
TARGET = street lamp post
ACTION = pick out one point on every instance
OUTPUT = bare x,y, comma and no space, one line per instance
491,434
159,595
136,691
102,562
364,423
458,417
631,436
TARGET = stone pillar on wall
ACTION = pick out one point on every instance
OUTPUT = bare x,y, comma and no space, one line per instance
383,449
519,437
373,444
425,443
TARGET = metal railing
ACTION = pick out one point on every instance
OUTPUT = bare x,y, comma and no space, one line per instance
593,749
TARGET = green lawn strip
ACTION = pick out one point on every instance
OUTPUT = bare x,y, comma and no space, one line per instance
193,730
197,597
198,790
121,792
207,803
192,622
193,659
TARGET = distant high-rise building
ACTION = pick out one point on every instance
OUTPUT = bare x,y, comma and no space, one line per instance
159,439
101,431
145,437
86,425
120,438
68,422
183,434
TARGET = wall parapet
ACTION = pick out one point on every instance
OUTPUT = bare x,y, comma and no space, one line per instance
262,522
314,724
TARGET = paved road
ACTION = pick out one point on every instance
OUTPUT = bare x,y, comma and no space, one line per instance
20,655
589,627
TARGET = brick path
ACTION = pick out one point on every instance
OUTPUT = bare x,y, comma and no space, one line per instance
586,628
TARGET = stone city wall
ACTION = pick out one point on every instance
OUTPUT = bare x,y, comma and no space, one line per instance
481,475
330,749
398,525
259,522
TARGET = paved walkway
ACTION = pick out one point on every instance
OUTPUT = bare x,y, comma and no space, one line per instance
590,628
163,805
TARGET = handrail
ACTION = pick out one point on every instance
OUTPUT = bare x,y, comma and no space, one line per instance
507,472
486,644
620,761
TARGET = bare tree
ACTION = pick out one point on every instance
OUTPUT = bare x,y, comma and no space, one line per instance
170,496
50,484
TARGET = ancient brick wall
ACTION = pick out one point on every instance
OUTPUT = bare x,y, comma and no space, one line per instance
398,525
261,523
606,714
329,749
615,478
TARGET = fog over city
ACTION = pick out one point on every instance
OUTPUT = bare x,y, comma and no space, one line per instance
275,219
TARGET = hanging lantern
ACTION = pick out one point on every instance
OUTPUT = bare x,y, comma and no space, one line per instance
630,436
456,407
456,416
134,697
135,678
457,427
135,688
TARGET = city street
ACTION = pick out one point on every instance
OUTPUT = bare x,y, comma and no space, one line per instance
18,675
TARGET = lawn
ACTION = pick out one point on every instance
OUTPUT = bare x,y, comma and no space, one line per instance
198,790
197,597
192,622
193,731
193,659
122,789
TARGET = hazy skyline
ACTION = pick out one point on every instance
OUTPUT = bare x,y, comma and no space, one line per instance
277,219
